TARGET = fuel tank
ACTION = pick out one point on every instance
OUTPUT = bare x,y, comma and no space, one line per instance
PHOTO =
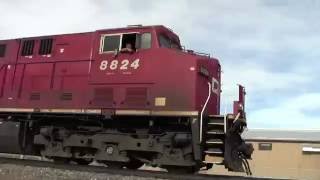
10,137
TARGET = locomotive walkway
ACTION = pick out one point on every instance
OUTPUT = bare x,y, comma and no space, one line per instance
18,167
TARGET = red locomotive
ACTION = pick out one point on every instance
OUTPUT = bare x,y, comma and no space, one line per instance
123,97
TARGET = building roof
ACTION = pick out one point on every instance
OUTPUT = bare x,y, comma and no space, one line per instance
282,135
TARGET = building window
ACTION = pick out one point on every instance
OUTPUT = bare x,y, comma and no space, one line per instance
27,48
110,43
265,146
3,48
45,46
311,150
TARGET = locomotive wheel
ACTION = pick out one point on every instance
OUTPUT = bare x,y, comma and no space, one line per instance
82,161
134,164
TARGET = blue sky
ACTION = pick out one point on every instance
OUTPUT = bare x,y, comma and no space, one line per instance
270,46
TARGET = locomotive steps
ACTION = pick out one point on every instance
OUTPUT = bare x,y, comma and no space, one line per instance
214,139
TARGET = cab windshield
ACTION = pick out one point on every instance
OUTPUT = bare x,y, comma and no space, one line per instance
166,42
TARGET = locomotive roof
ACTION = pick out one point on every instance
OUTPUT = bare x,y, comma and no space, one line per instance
130,27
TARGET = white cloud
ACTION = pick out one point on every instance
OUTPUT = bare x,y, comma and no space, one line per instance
290,114
259,83
257,79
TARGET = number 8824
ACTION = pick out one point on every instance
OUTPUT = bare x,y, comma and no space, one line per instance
123,65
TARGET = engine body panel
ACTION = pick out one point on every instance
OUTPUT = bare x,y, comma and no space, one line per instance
77,75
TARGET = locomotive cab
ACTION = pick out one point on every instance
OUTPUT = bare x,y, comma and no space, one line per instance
139,40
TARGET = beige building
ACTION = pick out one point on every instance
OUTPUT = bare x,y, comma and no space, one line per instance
283,154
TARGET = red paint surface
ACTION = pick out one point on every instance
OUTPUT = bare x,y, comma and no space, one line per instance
163,72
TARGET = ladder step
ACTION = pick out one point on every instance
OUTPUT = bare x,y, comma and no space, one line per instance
211,158
214,162
216,123
216,116
214,151
215,132
214,141
218,128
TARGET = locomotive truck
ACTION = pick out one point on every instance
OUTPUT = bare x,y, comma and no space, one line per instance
123,97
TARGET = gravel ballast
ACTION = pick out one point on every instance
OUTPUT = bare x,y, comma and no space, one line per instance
21,172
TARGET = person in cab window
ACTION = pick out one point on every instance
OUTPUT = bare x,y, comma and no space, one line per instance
128,48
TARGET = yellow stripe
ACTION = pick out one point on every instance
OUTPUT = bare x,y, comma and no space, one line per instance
86,111
156,113
15,110
99,111
132,112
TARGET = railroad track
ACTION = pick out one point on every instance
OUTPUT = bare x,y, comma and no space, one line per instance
38,162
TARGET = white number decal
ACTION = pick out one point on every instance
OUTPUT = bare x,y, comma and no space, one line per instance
103,65
135,64
124,64
113,65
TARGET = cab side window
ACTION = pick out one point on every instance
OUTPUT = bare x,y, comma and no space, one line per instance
145,41
164,41
121,42
129,41
110,43
136,41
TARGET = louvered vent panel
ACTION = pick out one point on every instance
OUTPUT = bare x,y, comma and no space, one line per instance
103,96
136,97
27,47
66,96
45,46
35,96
